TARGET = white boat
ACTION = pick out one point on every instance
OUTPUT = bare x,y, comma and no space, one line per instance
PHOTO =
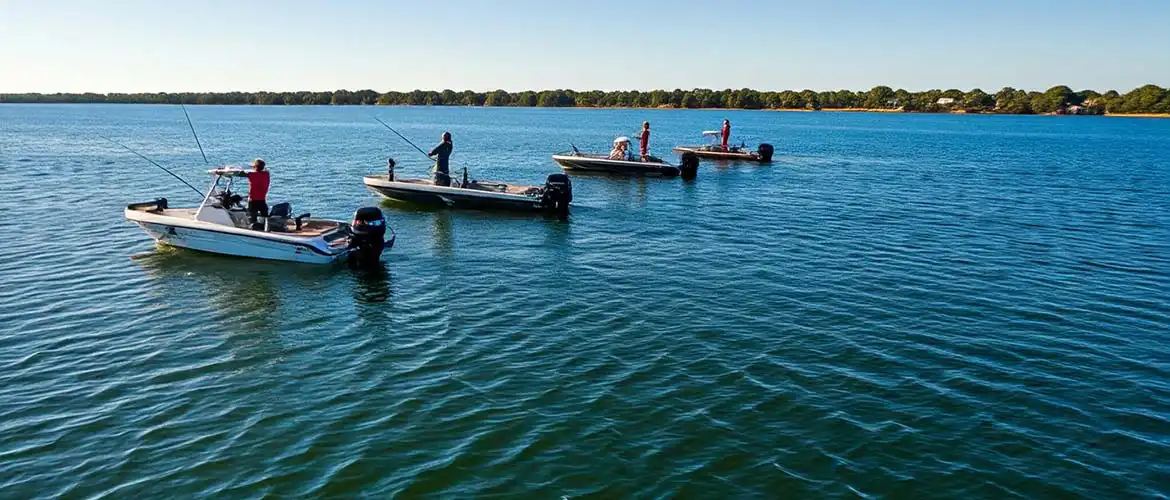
221,225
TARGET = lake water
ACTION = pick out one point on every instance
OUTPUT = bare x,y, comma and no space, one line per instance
901,306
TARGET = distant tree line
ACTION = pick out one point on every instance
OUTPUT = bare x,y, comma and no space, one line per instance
1059,99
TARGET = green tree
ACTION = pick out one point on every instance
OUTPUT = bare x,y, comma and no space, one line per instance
498,98
903,99
977,101
1012,101
1053,99
811,99
659,98
526,98
1144,99
878,97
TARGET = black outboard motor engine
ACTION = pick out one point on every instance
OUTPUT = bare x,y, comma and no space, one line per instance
688,165
367,238
765,152
558,193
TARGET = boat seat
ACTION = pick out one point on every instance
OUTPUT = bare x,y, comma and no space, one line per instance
281,210
280,218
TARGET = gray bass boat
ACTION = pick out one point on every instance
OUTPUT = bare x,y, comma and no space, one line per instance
716,151
553,197
576,161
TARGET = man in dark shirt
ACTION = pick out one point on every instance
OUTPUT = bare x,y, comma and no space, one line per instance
442,154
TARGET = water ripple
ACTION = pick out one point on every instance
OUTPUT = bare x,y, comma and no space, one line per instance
902,306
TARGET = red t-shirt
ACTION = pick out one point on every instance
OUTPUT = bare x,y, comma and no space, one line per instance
726,133
645,142
257,185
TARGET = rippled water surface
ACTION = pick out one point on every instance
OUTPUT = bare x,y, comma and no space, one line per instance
900,306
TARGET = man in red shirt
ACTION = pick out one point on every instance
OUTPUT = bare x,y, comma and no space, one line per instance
644,141
258,180
725,133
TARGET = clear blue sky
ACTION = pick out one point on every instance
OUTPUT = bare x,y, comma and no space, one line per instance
221,45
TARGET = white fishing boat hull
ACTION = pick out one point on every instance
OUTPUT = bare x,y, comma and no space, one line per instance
215,238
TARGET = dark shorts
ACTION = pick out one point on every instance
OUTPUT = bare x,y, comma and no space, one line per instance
442,179
257,207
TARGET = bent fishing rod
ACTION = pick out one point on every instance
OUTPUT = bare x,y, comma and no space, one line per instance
404,138
152,162
197,143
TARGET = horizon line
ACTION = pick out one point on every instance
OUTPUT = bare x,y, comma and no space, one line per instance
839,89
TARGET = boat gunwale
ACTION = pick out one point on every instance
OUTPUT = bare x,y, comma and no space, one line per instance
383,182
569,156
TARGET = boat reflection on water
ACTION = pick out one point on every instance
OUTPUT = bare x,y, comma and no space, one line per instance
443,234
371,285
250,294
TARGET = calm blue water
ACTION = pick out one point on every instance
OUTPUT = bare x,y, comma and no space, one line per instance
902,306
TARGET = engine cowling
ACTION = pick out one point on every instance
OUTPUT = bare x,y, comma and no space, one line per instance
765,151
688,165
367,237
557,194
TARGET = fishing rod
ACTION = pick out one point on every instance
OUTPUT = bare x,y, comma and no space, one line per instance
152,162
189,124
403,138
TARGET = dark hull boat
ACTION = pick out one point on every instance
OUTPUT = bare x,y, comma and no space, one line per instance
573,161
553,197
763,154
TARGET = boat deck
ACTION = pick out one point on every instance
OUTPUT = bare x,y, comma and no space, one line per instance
488,186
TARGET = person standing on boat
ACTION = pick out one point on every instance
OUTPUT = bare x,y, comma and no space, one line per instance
258,181
644,141
725,133
442,154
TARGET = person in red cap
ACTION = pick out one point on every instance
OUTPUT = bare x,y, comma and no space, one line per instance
644,141
725,133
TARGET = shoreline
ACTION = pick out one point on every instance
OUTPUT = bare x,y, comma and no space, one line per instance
635,108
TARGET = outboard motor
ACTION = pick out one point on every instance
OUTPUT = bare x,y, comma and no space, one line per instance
367,238
688,165
765,152
557,194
